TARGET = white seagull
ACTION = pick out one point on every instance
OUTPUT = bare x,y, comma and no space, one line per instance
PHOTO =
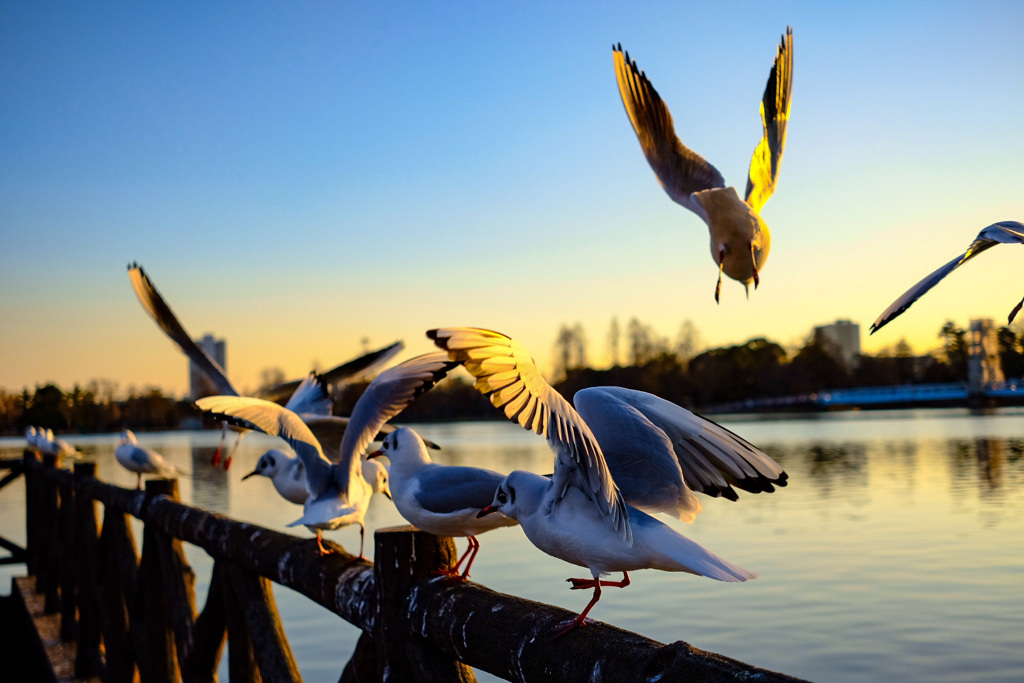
47,443
740,239
288,475
304,397
338,492
1005,232
441,499
625,452
140,460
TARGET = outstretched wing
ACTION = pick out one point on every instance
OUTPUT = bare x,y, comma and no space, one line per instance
506,373
1005,232
711,458
165,318
680,170
764,166
388,395
270,418
349,371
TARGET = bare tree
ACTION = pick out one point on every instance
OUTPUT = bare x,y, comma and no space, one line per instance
614,336
688,342
570,350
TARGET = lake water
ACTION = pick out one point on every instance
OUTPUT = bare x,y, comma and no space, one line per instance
896,552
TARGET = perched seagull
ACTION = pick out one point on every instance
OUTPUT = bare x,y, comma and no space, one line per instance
139,460
32,437
339,494
625,452
288,475
47,443
439,499
304,397
740,239
1005,232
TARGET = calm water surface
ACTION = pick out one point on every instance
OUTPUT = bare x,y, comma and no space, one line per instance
896,552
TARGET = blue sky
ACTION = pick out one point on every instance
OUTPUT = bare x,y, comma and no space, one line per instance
301,178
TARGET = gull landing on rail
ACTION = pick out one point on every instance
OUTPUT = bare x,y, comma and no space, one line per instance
740,239
1004,232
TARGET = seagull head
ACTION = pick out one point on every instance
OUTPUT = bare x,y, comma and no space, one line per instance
402,447
128,436
519,493
376,474
268,464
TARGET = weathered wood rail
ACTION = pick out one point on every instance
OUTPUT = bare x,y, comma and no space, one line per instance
132,614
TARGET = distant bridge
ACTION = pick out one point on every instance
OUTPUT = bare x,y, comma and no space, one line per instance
900,396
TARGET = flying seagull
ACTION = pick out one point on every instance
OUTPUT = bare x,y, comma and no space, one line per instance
1005,232
740,239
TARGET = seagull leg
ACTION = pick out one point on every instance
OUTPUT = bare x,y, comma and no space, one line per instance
362,542
320,545
138,480
757,278
231,453
453,571
721,264
474,548
223,433
596,584
1015,311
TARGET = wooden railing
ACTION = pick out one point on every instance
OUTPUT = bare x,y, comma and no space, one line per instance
129,612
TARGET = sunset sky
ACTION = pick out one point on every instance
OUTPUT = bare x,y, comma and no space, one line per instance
306,179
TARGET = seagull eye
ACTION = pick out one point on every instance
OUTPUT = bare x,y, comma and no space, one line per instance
270,462
502,497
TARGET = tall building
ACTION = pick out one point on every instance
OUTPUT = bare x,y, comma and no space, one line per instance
984,366
199,384
843,336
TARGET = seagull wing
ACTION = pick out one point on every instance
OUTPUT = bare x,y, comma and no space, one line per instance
506,373
680,170
386,396
764,166
165,318
1006,232
345,373
310,397
712,458
270,418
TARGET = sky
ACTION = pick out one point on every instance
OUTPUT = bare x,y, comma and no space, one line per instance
307,180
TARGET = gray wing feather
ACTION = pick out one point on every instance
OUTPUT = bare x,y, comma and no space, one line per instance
388,395
712,458
445,490
680,170
162,314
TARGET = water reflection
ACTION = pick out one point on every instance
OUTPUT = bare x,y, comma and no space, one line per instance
894,553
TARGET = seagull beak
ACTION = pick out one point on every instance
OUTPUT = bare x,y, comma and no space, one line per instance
249,475
486,511
375,454
388,494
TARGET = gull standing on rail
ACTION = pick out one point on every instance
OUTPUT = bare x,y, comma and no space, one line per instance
441,499
1005,232
338,492
304,397
740,239
625,452
135,458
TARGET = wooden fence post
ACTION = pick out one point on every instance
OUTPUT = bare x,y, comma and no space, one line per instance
88,660
32,514
157,663
66,566
47,581
403,557
117,578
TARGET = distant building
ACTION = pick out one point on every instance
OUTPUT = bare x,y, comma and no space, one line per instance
984,367
199,384
841,336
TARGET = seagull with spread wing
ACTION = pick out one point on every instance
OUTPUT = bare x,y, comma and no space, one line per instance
339,493
740,239
1005,232
620,454
307,397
